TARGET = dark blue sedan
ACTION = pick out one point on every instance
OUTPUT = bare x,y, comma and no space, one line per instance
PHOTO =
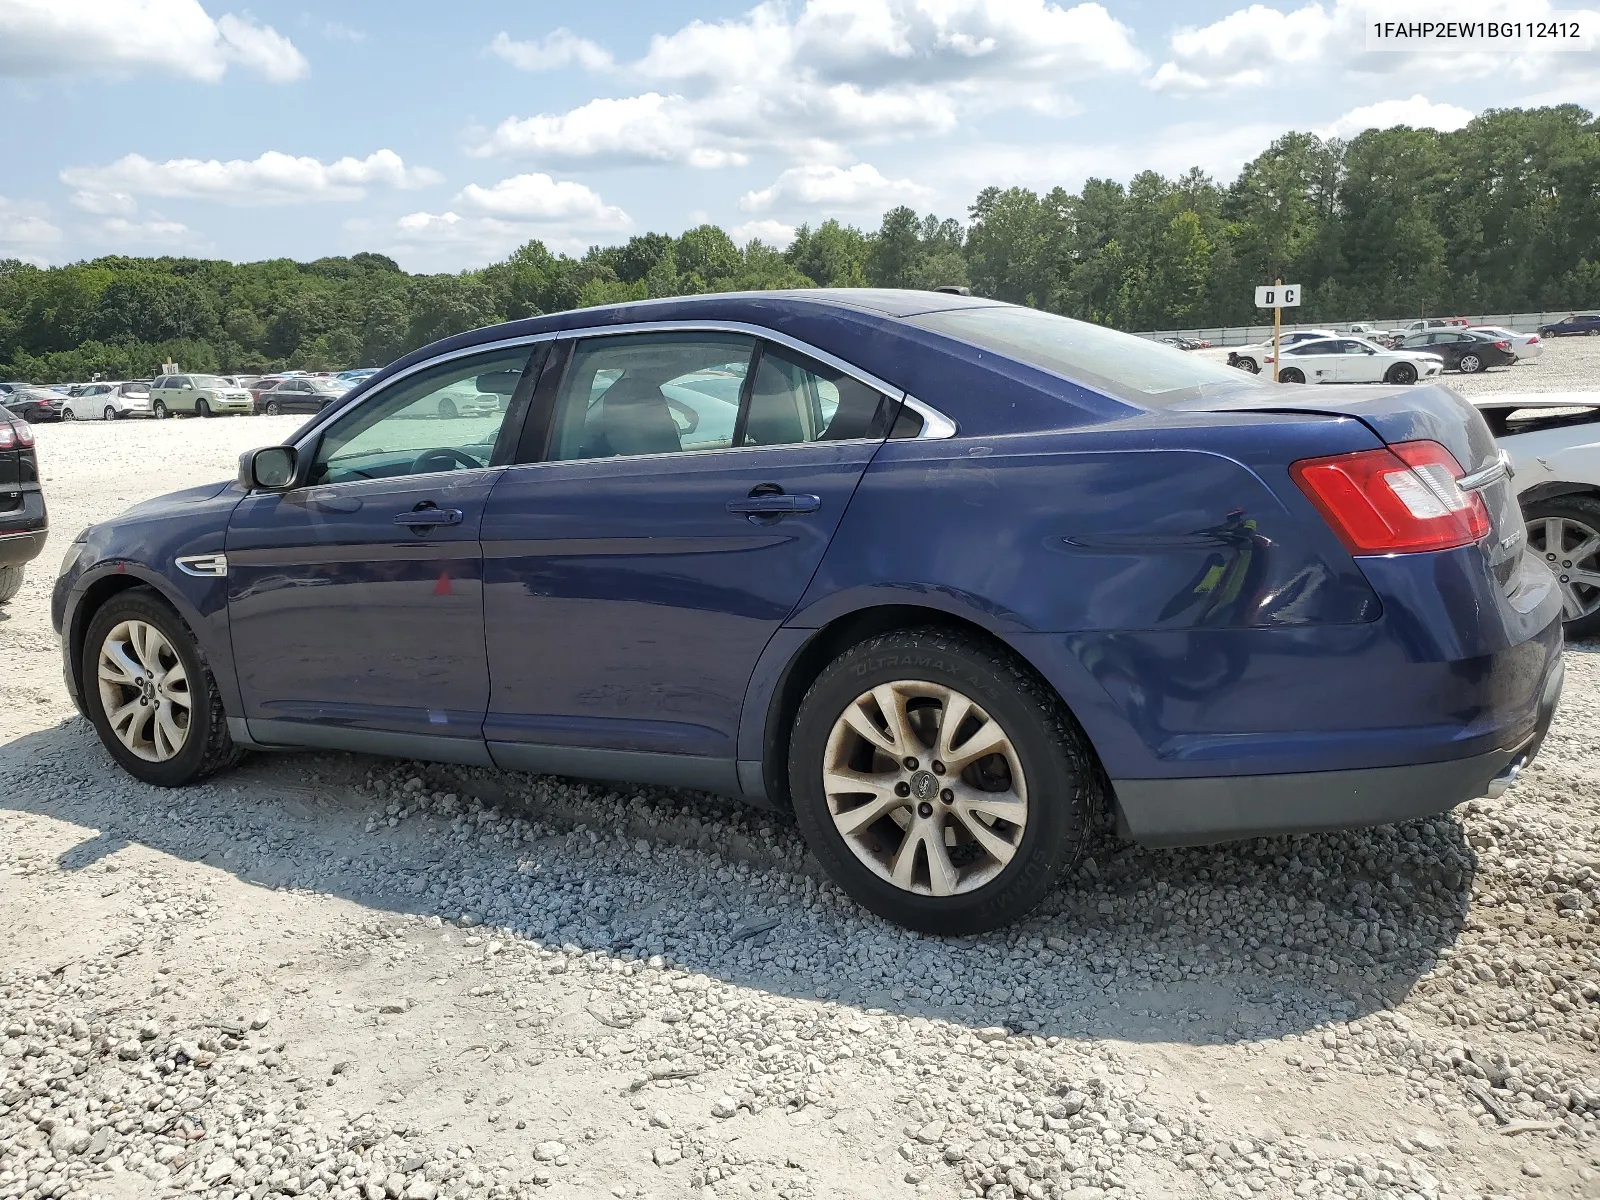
946,578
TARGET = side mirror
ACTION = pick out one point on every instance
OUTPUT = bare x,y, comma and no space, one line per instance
271,468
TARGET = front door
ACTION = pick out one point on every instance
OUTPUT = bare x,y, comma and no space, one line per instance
355,601
634,575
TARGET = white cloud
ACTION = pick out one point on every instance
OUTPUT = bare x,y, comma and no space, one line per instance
1418,112
104,202
154,232
338,31
840,70
25,229
273,178
773,233
860,188
1261,45
560,48
40,37
537,197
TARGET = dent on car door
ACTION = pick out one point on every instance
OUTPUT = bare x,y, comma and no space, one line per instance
355,598
634,573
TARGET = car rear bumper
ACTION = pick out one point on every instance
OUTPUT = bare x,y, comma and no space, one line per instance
23,531
1193,812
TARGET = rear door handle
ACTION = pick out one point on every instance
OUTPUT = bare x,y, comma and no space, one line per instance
422,517
774,504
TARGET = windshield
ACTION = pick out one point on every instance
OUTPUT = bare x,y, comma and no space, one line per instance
210,381
1119,364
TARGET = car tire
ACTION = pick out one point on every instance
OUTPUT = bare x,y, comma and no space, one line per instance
274,408
1248,364
201,408
110,413
158,410
10,582
1470,364
68,415
447,408
1401,373
927,673
1291,375
1579,516
205,746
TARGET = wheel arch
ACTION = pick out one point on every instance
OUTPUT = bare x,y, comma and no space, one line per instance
1552,489
774,701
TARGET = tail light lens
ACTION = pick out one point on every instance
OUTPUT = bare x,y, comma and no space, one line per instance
24,433
1533,339
8,437
1402,499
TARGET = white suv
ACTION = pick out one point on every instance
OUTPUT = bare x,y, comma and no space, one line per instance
107,401
202,395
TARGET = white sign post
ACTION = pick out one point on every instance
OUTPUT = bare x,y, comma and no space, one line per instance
1278,297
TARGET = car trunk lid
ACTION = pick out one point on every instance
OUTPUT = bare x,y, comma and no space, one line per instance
1428,412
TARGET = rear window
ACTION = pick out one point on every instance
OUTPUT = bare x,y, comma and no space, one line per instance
135,389
1119,364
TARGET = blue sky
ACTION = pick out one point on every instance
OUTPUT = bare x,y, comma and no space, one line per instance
447,134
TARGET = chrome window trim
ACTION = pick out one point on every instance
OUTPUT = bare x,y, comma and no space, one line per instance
934,423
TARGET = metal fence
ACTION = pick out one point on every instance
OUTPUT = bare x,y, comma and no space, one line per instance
1246,335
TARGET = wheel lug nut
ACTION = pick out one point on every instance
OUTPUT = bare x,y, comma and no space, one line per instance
924,809
911,763
947,796
1551,557
938,767
902,789
1566,564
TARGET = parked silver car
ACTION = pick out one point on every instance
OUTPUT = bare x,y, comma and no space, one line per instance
107,401
202,395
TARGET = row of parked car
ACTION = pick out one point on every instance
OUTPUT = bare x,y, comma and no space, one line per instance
1327,356
165,396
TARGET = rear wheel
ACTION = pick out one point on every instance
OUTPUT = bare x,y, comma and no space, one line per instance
150,695
10,582
1565,532
201,408
1401,373
939,781
273,408
158,410
1291,375
1248,364
1470,364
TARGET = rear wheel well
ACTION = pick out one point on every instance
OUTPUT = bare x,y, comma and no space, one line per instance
831,641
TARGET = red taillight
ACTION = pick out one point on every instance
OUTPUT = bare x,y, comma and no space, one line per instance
1402,499
8,439
24,433
1502,345
1533,339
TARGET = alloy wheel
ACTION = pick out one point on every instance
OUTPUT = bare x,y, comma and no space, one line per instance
144,690
273,408
1470,364
159,411
1572,550
68,415
110,413
925,788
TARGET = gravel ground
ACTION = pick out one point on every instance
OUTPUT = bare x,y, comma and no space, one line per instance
327,975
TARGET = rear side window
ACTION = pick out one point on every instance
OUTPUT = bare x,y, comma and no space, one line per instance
796,399
1119,364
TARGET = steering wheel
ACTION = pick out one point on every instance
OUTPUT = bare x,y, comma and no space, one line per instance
690,417
443,458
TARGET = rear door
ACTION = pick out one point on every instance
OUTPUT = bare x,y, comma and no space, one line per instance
636,569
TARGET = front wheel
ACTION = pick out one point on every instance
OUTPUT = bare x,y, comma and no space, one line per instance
1471,364
158,410
68,415
1291,375
110,413
150,695
1401,373
939,781
1565,532
201,408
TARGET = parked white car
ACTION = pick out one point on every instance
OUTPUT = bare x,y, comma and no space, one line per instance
1354,360
107,401
202,395
1251,358
1552,444
1523,345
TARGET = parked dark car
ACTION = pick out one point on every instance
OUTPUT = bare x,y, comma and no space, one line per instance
1463,349
1585,323
23,521
35,404
940,576
301,394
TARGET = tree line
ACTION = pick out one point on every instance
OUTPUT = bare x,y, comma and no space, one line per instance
1501,215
